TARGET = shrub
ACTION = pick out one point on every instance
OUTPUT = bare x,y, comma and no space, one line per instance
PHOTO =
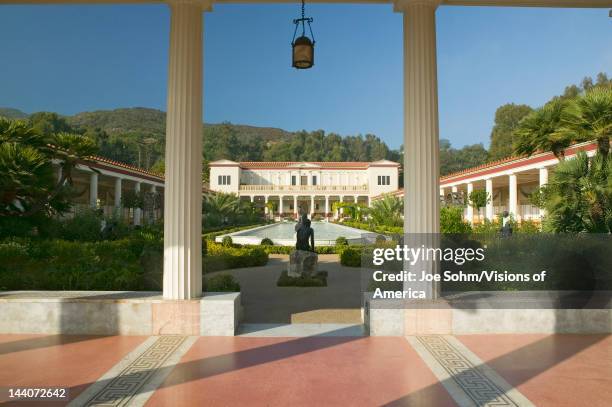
266,241
227,241
451,220
318,280
380,239
350,257
341,241
85,226
222,283
204,247
221,257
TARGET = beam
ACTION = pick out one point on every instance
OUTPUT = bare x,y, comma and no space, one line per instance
493,3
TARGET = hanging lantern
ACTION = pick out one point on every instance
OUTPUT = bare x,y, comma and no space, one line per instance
303,46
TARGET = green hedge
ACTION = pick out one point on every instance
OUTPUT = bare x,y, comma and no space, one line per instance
374,228
220,257
275,249
65,265
222,283
351,256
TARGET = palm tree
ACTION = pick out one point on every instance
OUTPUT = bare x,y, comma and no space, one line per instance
578,197
539,131
27,180
589,117
387,211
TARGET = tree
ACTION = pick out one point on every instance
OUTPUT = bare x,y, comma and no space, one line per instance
578,197
507,118
589,117
539,131
29,184
479,198
453,160
387,211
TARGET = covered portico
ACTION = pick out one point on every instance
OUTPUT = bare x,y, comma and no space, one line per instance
183,198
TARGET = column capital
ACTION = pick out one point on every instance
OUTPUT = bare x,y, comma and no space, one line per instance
405,5
205,5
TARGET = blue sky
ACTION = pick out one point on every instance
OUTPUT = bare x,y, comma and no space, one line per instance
70,59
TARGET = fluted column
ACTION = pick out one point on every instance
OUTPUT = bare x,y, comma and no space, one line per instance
137,211
93,190
183,187
543,182
470,208
489,208
513,196
118,193
421,151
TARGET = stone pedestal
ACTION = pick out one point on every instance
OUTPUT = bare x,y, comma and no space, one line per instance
302,264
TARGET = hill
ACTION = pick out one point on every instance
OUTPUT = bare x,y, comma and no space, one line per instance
11,113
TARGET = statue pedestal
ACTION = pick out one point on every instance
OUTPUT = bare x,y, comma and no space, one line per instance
302,263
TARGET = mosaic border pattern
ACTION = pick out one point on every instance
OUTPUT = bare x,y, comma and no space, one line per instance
126,385
477,386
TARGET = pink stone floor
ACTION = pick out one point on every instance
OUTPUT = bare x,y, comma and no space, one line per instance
556,370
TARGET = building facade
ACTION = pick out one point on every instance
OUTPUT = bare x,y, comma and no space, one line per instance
508,183
286,189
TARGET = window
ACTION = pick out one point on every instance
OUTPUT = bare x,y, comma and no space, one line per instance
224,180
384,180
293,180
314,180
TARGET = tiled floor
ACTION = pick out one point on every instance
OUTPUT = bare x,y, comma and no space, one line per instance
559,370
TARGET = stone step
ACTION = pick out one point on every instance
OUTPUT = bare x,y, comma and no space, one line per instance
300,330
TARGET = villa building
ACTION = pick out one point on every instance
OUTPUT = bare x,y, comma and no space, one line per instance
508,182
101,182
304,187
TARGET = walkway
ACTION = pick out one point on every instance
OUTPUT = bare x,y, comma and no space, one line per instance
500,370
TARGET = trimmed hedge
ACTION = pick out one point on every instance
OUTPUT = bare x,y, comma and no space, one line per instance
374,228
275,249
222,283
213,233
65,265
220,257
351,256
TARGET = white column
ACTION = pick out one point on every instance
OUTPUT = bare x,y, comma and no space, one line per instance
183,188
295,207
513,196
93,190
442,191
153,213
470,208
421,146
543,182
137,211
280,205
489,208
326,206
266,204
341,210
117,193
312,206
252,198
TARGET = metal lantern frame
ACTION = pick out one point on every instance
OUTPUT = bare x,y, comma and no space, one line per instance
303,40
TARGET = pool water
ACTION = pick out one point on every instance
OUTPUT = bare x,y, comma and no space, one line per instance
284,234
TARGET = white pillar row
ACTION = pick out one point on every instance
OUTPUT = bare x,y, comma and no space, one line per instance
543,182
183,188
513,196
117,192
470,208
421,145
137,211
93,190
489,207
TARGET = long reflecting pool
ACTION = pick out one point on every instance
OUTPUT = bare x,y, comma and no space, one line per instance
284,234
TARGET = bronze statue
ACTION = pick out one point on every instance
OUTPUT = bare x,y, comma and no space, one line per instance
305,235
